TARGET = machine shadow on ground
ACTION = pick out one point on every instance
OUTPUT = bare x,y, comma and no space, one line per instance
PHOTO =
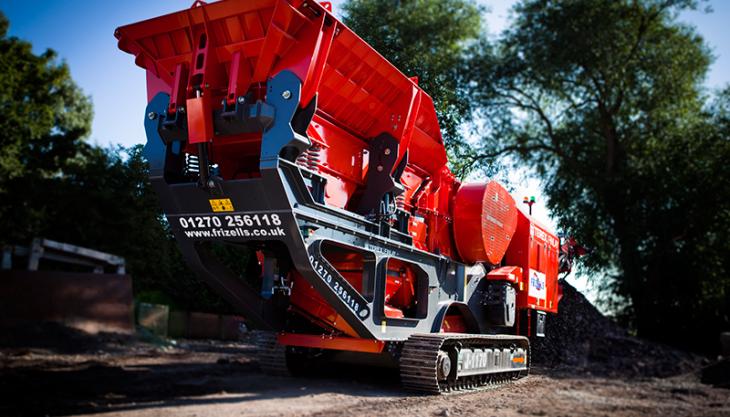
57,384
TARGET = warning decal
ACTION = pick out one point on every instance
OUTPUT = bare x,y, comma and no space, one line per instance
221,204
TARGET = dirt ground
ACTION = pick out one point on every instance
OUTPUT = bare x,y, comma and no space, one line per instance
121,378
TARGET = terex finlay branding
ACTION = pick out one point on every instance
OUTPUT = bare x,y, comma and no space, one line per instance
540,234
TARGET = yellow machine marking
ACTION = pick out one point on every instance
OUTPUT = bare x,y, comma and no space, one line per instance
383,326
221,204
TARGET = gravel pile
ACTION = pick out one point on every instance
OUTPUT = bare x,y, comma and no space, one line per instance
580,338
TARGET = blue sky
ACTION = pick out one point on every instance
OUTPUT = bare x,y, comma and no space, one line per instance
81,31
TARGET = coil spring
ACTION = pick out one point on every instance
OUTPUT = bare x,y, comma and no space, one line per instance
400,201
310,158
192,164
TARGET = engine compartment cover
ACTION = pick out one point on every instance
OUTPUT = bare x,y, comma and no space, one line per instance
485,219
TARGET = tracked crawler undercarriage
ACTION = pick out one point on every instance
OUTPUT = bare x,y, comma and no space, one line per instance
306,181
432,362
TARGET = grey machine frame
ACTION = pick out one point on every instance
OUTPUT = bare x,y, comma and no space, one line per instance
291,192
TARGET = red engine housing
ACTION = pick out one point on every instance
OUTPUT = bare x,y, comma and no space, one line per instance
485,218
536,251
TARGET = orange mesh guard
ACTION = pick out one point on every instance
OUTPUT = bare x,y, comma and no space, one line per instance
485,218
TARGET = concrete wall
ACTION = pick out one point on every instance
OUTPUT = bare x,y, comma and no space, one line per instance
191,325
90,302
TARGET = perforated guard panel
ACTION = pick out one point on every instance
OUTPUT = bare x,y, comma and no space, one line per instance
485,218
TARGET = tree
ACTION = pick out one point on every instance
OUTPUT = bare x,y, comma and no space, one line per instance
428,39
55,185
43,115
103,200
603,99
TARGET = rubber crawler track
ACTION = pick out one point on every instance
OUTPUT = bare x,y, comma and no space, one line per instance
418,362
271,355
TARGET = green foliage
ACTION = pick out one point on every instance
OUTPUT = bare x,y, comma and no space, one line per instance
102,199
603,99
428,39
55,185
43,115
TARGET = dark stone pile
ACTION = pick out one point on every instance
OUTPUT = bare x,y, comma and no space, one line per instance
580,338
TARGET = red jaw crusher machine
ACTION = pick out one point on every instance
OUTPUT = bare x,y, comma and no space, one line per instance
306,181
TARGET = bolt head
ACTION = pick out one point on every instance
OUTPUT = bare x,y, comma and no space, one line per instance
241,99
286,94
152,115
387,151
211,184
181,109
380,168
